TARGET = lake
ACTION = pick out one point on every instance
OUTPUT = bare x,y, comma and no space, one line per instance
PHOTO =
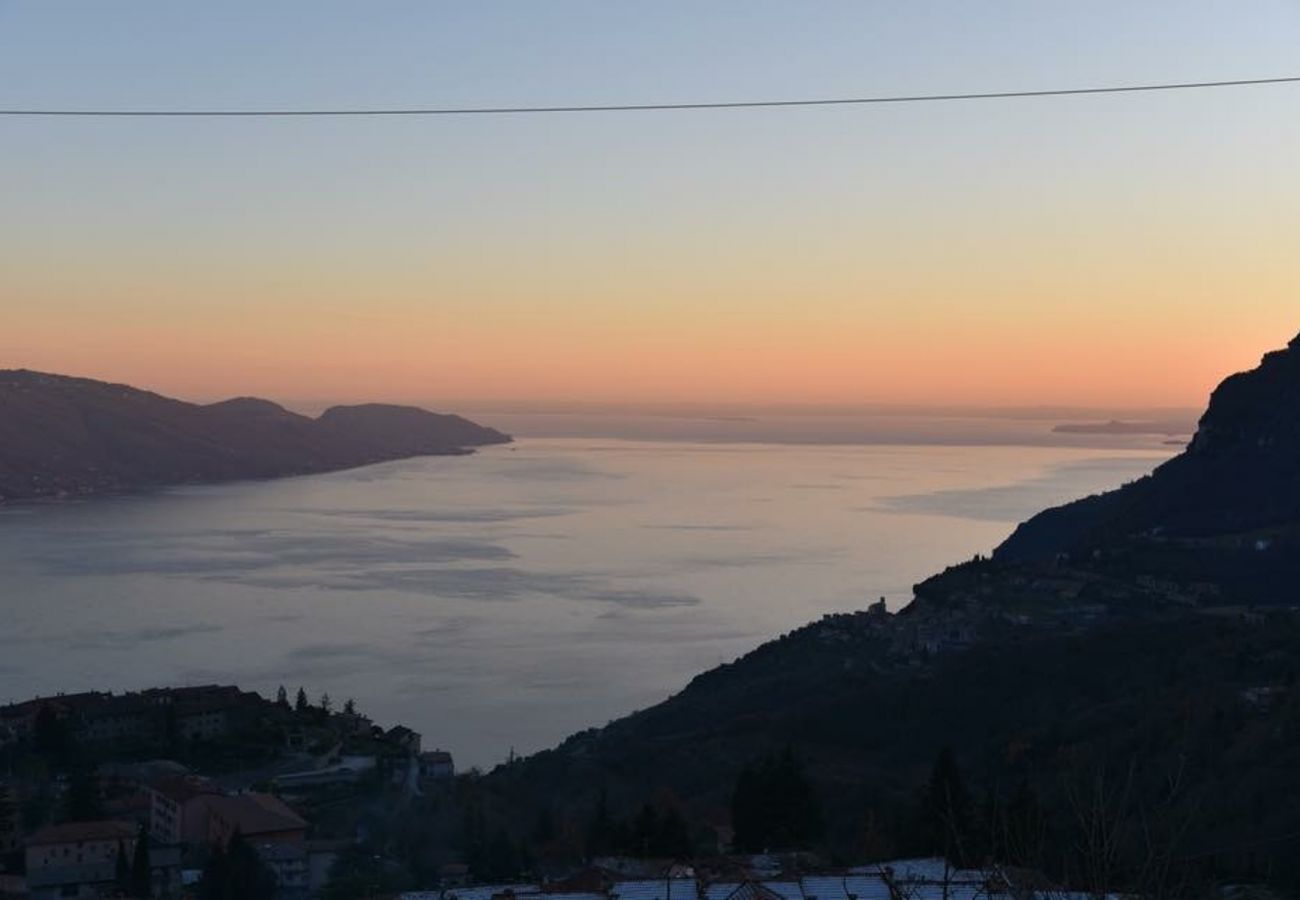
507,599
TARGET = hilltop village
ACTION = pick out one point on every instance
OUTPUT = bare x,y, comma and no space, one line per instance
157,792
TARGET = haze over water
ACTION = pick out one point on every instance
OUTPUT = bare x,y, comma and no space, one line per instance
509,598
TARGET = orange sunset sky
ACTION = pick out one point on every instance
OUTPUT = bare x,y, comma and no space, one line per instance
1105,251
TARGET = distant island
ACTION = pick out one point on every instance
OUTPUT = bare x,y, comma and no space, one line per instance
1117,427
62,436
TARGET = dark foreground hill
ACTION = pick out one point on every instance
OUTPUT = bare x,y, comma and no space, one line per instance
66,436
1236,487
1119,684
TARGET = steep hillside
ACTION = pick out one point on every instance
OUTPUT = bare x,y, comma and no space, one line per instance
67,436
1235,488
1137,650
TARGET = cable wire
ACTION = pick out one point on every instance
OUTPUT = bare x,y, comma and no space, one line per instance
641,107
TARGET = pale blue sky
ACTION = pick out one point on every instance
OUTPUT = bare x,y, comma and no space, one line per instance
684,234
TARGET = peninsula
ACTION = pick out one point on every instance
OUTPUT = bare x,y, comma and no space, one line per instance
62,436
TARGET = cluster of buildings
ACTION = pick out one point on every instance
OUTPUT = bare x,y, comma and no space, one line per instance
203,713
83,859
178,814
183,817
765,878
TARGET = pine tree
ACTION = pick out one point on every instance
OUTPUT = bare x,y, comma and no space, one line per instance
300,702
51,733
602,831
948,809
774,806
645,832
544,827
82,803
236,873
350,707
141,880
749,831
1025,827
281,697
673,838
122,870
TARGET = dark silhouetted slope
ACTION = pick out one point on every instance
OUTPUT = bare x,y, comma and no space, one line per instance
1146,637
1236,484
62,435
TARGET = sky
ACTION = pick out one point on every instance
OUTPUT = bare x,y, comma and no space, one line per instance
1103,251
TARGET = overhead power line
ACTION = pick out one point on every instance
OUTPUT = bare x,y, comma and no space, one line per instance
645,107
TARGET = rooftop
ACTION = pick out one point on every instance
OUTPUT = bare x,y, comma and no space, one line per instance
255,814
77,832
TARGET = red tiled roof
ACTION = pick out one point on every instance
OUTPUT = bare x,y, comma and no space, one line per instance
255,814
75,832
179,788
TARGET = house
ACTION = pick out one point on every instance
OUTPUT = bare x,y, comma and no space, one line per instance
321,857
20,718
134,777
10,824
260,818
178,812
288,863
110,719
155,715
76,859
436,765
453,874
301,869
404,738
204,712
352,723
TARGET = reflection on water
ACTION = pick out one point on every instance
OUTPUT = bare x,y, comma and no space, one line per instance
508,598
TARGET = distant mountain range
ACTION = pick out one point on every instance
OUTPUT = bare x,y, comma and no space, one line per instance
1118,427
1144,643
63,436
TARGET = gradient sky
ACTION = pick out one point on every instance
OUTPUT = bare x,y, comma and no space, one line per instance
1093,250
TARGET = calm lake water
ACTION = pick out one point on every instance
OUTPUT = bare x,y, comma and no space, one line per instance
506,599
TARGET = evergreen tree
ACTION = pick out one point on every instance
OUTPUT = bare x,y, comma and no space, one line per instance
350,707
749,831
774,806
673,838
51,733
281,697
82,803
544,827
235,873
359,872
300,702
949,811
9,821
1024,828
325,702
172,729
603,838
141,880
502,861
122,870
645,832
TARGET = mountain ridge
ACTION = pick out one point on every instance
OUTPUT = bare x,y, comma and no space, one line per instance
1146,631
1228,505
65,435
